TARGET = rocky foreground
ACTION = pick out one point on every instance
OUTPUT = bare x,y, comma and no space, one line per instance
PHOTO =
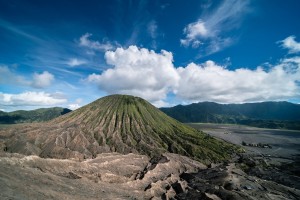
122,147
108,176
132,176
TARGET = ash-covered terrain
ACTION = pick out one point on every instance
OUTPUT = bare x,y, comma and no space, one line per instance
122,147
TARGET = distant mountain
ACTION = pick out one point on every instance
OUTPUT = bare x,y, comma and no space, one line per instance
265,114
38,115
116,123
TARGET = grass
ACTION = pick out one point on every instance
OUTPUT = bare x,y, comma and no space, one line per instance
2,126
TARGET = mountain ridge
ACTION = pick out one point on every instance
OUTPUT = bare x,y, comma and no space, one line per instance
264,114
29,116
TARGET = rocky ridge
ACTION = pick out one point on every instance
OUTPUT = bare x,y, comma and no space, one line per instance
108,176
132,176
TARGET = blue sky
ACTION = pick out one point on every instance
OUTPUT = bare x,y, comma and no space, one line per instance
69,53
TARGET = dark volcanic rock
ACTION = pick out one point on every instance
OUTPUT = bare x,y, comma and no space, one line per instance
178,187
230,186
230,182
284,173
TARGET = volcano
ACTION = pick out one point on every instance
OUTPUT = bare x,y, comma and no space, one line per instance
115,123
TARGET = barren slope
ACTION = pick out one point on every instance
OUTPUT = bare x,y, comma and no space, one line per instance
109,176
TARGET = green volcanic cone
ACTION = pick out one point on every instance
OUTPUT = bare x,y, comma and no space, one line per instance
123,124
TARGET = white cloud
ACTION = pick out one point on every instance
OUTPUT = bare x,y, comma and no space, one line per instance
193,31
75,105
9,77
42,80
85,41
293,60
291,44
31,99
152,29
218,44
138,71
75,62
151,75
161,103
210,27
196,44
211,82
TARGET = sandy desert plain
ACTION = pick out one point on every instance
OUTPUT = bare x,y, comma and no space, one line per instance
285,143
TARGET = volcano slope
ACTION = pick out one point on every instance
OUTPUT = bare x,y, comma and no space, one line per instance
116,123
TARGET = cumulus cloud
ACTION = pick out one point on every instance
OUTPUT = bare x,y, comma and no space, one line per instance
31,99
75,62
291,44
138,71
85,41
210,27
42,80
293,60
212,82
151,75
75,105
